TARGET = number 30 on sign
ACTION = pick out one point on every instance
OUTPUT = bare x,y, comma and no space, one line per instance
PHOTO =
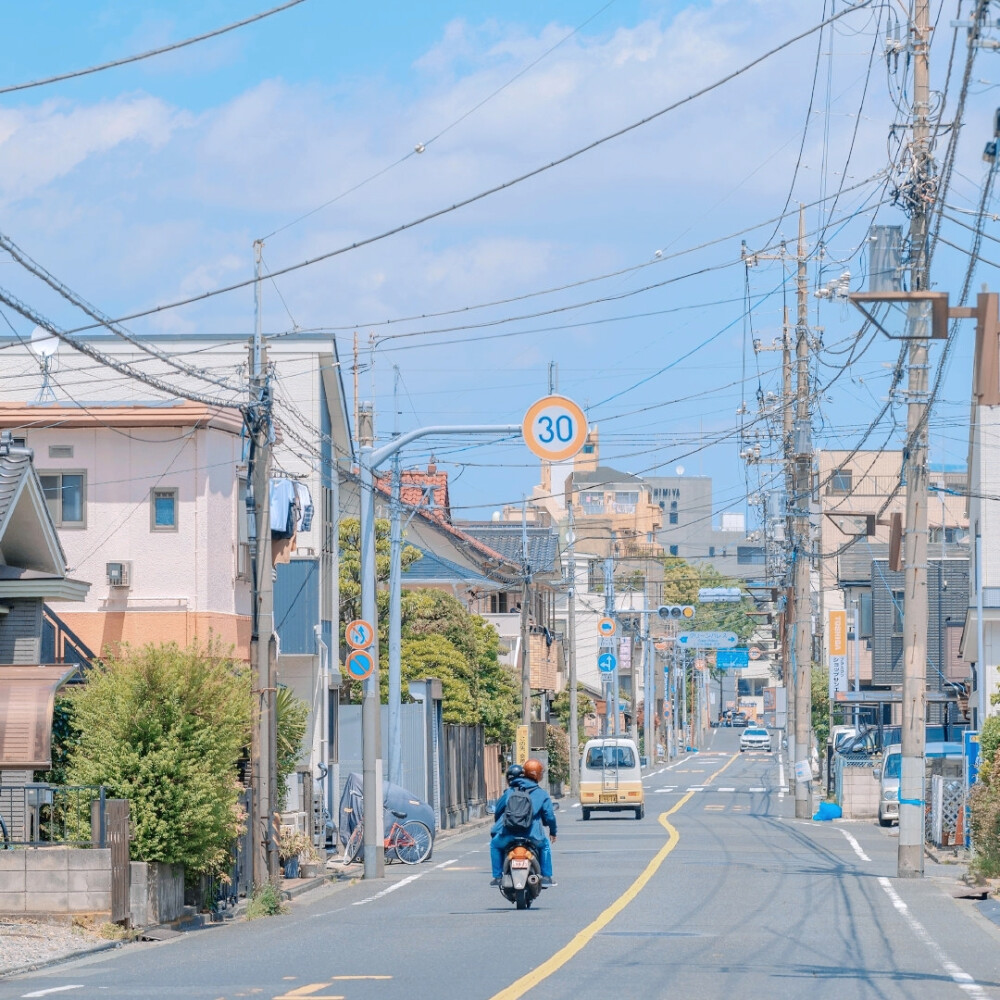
554,428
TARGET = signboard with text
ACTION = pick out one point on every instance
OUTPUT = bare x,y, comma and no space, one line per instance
837,638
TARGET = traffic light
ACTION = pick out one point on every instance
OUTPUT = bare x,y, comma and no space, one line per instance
673,612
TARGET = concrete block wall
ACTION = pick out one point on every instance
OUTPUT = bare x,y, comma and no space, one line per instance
859,793
156,894
55,880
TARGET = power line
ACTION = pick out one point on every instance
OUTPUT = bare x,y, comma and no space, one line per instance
465,202
12,88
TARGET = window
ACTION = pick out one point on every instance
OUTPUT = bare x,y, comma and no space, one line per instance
626,501
163,509
64,496
592,503
711,552
673,550
750,555
840,481
588,449
610,756
898,596
243,567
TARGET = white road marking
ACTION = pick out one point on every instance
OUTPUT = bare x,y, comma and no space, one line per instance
781,777
857,847
659,791
696,788
961,978
575,805
757,789
444,864
391,888
725,789
53,989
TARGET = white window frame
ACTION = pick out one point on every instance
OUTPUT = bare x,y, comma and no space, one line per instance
57,518
162,491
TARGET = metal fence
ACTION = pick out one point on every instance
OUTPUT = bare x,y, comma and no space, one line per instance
463,784
39,814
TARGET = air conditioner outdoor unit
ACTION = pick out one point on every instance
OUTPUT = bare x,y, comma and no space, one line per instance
119,574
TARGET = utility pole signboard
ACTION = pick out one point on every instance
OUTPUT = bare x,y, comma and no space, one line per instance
838,652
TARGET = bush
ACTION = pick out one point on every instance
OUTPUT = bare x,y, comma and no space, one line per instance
557,744
165,727
984,821
265,901
989,740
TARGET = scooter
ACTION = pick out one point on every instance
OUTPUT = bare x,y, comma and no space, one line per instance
521,881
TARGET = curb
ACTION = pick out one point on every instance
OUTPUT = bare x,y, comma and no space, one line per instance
50,963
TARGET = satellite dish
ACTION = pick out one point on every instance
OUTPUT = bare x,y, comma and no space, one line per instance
43,343
679,470
495,517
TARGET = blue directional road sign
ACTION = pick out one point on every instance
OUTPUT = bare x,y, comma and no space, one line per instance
732,659
607,662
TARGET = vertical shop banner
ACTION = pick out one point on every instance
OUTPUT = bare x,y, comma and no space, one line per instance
837,651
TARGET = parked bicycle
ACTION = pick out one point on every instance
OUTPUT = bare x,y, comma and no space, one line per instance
408,840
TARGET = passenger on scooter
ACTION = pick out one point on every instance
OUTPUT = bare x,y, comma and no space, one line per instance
543,814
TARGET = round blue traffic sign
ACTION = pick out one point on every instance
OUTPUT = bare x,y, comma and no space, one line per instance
360,664
607,662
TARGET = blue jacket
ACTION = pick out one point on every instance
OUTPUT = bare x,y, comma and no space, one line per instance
545,815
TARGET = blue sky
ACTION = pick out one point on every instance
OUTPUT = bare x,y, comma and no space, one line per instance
145,184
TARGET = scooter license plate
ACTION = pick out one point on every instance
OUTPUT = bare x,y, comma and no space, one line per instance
521,863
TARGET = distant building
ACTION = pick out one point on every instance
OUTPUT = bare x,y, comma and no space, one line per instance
692,531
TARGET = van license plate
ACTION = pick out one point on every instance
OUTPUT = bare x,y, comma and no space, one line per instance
522,863
609,798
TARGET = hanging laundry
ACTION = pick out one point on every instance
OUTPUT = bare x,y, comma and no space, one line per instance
283,519
305,504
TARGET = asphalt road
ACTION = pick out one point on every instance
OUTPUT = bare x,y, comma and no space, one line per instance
719,892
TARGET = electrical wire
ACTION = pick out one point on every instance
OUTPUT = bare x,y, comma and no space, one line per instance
13,88
506,185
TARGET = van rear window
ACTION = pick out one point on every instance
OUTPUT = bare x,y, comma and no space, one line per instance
610,756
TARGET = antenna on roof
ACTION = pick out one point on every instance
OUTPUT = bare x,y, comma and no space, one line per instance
45,346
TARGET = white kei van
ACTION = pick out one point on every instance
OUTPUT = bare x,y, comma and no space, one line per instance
610,778
888,776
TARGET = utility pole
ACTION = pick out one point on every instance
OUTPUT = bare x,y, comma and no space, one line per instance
574,722
910,859
371,702
263,652
525,625
787,431
802,550
611,679
395,607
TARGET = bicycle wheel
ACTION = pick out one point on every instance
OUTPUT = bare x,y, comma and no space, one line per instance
413,842
354,844
4,839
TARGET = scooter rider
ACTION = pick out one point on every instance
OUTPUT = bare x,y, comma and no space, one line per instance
526,779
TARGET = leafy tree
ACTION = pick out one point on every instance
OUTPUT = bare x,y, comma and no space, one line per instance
681,583
584,707
557,744
290,721
437,656
350,571
820,703
165,727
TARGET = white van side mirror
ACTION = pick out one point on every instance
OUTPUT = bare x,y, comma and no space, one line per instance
877,773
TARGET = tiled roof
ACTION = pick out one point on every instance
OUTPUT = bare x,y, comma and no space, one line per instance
13,467
506,538
855,564
426,489
604,474
432,568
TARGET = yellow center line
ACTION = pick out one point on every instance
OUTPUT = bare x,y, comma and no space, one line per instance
576,944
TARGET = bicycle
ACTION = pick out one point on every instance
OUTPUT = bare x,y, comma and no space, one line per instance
409,841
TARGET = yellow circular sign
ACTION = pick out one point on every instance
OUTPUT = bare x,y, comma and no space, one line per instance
554,428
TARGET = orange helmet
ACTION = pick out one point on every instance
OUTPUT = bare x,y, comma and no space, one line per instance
533,769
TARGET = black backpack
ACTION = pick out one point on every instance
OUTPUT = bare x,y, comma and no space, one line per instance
519,812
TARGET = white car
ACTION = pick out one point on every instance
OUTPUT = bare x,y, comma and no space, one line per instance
755,738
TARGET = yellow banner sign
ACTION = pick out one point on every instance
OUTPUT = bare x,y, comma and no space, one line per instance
521,748
838,633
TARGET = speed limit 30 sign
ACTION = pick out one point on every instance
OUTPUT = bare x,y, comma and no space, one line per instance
554,428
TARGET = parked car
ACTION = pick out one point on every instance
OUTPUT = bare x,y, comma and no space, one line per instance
739,720
755,738
888,776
